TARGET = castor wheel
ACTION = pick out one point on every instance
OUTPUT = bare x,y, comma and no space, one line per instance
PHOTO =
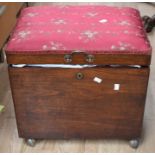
134,143
31,142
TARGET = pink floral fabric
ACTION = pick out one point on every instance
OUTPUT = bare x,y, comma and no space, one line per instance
65,29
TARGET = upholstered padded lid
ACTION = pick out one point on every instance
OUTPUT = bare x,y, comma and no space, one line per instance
63,29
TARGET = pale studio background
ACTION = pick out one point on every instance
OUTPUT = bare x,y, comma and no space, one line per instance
10,142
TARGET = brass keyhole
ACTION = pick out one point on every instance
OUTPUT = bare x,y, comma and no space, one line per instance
79,76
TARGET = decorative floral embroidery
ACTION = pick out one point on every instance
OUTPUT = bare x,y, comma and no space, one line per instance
56,46
24,34
59,21
124,23
90,34
44,47
103,21
91,14
53,46
96,28
123,46
113,47
32,14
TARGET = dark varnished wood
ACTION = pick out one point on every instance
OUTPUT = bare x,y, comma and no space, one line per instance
52,103
121,59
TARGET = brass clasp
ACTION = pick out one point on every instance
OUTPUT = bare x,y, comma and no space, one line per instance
88,57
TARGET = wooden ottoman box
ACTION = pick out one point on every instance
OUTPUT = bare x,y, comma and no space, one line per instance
79,72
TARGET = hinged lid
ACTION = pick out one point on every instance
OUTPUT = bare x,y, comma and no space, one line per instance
79,34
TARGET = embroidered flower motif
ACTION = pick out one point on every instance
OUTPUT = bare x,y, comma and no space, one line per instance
53,46
56,46
32,14
59,21
103,21
44,47
24,34
90,34
126,32
113,47
91,14
125,46
124,23
122,46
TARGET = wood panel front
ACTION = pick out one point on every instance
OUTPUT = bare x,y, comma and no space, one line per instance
104,59
53,103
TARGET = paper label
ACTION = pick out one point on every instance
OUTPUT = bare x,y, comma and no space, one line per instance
116,86
97,80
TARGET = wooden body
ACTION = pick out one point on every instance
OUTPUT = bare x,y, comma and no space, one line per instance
53,103
100,59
